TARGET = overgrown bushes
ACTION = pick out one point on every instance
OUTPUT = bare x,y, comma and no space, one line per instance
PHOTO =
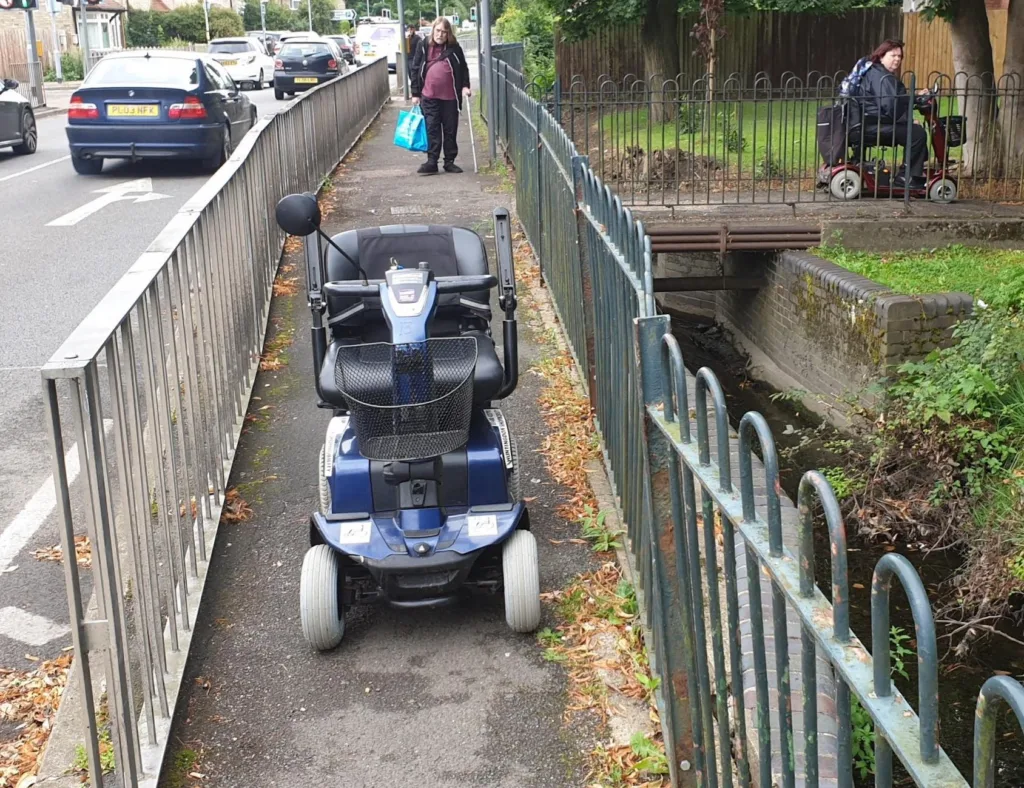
948,463
532,23
71,67
188,23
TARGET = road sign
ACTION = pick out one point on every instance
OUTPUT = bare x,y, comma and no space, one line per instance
140,190
19,5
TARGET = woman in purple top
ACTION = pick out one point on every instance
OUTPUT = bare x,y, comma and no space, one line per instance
440,79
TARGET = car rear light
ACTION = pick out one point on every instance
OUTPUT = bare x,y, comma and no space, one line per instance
80,110
332,65
279,63
191,109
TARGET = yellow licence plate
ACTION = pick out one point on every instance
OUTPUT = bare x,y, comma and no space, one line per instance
305,80
133,110
229,62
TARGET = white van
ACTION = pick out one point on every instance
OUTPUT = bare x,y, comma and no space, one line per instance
376,39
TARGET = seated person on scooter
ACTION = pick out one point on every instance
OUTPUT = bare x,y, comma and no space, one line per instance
881,112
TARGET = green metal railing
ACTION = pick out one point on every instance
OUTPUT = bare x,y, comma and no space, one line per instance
725,572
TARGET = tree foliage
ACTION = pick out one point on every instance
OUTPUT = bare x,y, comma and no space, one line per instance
225,23
277,17
143,29
186,22
532,23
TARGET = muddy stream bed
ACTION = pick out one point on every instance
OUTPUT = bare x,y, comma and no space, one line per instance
803,443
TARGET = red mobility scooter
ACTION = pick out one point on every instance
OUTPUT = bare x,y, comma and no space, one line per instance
851,178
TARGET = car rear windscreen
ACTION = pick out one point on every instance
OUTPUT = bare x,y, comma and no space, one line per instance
163,72
304,49
231,47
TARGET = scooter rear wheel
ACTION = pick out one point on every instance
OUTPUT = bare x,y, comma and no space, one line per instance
521,576
323,624
846,185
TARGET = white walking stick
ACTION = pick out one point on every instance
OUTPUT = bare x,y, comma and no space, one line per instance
469,118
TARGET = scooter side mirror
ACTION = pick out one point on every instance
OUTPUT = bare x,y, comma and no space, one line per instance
298,214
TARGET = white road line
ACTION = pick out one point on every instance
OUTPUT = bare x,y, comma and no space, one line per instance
24,526
29,628
33,169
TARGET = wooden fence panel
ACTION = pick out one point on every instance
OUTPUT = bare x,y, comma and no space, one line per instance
930,44
770,42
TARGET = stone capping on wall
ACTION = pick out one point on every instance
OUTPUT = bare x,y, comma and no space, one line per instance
816,326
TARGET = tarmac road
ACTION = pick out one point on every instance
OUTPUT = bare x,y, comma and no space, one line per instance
51,276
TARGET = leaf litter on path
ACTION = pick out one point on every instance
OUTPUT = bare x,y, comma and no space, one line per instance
29,700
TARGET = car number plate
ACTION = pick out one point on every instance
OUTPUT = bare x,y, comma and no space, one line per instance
229,62
305,80
133,110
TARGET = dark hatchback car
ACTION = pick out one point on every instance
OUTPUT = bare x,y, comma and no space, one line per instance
156,104
17,121
301,65
344,43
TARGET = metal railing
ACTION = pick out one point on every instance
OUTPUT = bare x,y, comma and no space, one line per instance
728,141
150,391
725,573
22,72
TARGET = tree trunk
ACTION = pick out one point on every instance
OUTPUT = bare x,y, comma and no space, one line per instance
972,59
661,55
1011,112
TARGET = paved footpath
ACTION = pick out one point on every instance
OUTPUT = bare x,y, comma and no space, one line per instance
429,699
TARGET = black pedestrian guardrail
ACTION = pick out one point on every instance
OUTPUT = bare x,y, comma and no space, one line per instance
737,708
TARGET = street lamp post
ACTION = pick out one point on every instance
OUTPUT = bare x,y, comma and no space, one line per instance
83,38
309,9
263,20
206,17
57,65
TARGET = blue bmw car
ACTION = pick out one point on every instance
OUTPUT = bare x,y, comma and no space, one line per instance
156,104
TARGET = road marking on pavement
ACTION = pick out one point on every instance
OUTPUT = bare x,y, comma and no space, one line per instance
33,169
29,628
24,526
139,190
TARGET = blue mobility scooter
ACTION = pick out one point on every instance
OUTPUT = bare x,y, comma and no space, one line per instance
420,499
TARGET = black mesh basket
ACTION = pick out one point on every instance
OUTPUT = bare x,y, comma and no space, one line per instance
409,402
956,131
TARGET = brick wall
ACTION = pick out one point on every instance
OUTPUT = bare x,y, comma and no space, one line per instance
828,330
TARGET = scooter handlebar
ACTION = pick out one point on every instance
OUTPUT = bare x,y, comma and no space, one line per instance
354,289
464,284
445,286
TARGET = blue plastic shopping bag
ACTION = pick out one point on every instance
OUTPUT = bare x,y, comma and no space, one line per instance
411,132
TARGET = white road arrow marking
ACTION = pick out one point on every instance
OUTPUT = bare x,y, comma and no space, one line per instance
129,190
29,628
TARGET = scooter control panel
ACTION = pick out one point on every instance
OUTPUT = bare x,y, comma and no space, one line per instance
407,290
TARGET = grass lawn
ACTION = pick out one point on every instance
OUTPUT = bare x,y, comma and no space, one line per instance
985,273
745,135
739,134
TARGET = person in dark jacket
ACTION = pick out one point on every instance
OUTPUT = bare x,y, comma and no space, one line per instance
412,44
440,80
884,106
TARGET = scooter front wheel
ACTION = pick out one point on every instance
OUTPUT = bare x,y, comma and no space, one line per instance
323,623
943,190
846,185
521,577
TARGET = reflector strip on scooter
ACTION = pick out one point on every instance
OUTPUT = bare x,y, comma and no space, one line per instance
497,420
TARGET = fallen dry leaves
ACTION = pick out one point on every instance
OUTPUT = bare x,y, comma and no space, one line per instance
29,701
235,510
83,553
572,440
601,645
